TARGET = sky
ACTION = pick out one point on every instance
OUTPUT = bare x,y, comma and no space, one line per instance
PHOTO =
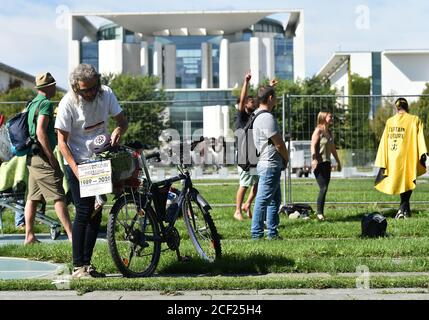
33,34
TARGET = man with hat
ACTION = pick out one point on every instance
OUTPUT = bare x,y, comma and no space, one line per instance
45,180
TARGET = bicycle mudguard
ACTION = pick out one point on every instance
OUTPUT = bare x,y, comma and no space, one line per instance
195,195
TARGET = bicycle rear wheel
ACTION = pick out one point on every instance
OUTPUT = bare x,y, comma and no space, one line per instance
133,236
201,229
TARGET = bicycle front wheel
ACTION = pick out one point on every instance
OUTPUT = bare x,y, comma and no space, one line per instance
133,236
201,229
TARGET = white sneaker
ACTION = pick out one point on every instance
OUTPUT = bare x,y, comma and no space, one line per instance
294,215
320,217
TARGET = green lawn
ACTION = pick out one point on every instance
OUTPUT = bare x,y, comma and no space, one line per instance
333,246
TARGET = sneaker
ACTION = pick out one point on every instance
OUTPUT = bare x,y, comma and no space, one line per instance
401,215
294,215
320,217
80,272
94,273
277,237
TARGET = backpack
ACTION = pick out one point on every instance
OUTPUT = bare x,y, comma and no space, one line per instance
247,155
374,225
19,132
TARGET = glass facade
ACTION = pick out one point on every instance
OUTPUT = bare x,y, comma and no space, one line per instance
376,81
188,105
283,47
188,59
89,53
283,52
188,51
110,32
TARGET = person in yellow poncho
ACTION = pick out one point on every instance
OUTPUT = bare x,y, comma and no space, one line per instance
401,156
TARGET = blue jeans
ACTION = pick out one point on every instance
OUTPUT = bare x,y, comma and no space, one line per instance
19,218
267,204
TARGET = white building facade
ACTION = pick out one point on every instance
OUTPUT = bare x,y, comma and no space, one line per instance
191,50
392,72
11,76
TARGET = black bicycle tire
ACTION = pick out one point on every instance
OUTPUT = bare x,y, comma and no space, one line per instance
117,259
193,234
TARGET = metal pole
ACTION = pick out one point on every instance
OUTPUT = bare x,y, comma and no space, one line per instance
284,135
288,147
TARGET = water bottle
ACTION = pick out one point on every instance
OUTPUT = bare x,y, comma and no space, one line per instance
172,205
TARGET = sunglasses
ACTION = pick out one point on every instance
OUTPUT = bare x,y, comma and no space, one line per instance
88,90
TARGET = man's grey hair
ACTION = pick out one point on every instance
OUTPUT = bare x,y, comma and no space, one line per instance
83,72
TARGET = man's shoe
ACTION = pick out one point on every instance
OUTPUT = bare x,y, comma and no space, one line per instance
21,226
277,237
294,215
94,273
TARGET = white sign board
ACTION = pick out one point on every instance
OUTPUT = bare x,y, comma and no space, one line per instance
95,178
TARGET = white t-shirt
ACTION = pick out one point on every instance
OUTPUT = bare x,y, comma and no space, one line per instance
264,127
85,120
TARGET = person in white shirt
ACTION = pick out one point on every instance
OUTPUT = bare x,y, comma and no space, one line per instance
83,114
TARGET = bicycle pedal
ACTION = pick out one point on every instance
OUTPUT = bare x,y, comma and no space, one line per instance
185,259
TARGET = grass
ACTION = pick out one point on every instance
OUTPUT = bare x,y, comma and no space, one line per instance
333,246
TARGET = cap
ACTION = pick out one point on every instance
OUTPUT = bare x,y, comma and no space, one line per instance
100,143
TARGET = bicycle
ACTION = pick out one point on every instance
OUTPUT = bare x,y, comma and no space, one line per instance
139,223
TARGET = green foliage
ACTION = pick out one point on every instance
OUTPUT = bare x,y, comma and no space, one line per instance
17,95
420,108
303,126
356,128
146,120
382,114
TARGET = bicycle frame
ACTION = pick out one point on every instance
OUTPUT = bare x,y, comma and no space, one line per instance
187,189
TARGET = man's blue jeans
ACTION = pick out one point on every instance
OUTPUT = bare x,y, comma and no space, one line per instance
267,204
19,219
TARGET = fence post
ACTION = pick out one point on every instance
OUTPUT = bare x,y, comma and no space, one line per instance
289,104
284,136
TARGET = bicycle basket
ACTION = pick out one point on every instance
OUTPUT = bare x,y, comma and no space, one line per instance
124,164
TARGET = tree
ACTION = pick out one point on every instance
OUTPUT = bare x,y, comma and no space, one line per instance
381,115
17,97
357,129
307,98
147,118
421,109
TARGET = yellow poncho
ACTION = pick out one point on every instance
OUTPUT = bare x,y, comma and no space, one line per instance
399,152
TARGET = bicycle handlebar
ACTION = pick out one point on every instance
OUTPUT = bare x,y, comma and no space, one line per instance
156,155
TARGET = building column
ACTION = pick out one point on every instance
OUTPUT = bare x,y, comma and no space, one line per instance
169,66
206,66
74,54
144,58
255,67
110,56
224,64
157,62
269,57
299,50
